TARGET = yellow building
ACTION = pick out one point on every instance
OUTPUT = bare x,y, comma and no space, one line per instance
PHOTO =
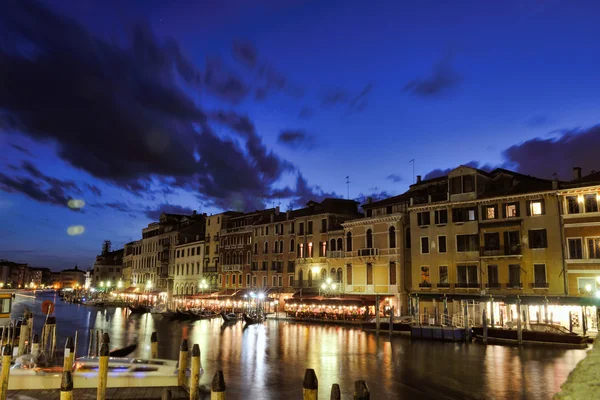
480,236
187,273
214,225
375,259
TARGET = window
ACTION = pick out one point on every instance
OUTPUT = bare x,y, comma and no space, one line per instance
392,237
193,251
332,245
593,247
489,212
188,252
369,213
281,246
407,238
292,226
536,207
538,239
514,276
442,244
493,276
464,214
310,249
266,231
425,277
233,279
349,241
467,242
264,282
539,276
177,253
511,210
441,217
369,239
423,218
301,228
424,245
443,275
455,185
586,285
276,247
274,281
291,280
491,241
254,281
264,266
392,273
573,205
349,274
292,245
467,276
310,228
369,274
247,280
575,251
468,183
388,210
280,281
324,225
266,249
591,203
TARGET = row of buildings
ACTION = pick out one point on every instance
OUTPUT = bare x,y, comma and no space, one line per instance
466,235
22,276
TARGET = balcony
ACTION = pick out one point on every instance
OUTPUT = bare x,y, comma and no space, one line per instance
211,268
426,285
493,285
514,285
443,285
465,285
239,229
232,268
505,251
335,254
539,285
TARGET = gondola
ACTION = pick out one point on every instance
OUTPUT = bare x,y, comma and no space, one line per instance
231,317
169,314
252,320
123,351
139,309
539,333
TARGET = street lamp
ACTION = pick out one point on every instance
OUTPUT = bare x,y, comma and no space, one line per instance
203,285
329,286
148,285
120,284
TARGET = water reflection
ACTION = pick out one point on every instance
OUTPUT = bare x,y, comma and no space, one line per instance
268,361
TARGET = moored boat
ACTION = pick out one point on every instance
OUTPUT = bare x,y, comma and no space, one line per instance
538,333
139,309
249,320
231,317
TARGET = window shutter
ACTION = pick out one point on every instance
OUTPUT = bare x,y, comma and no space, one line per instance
528,205
496,211
483,213
518,206
504,205
545,239
543,206
506,241
530,234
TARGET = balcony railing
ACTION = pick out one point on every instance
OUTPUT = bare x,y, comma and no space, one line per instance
368,252
443,285
425,285
514,250
514,285
236,267
335,254
540,285
465,285
493,285
211,268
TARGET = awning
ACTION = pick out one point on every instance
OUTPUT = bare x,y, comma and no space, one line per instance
512,299
342,300
130,289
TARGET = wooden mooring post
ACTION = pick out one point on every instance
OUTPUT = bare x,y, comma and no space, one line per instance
195,377
69,354
361,391
6,359
335,392
154,345
102,372
183,355
23,337
519,324
35,345
217,387
310,386
66,386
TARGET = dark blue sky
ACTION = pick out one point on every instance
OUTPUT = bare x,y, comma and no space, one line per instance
139,106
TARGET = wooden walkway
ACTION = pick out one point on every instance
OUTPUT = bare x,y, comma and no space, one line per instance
126,393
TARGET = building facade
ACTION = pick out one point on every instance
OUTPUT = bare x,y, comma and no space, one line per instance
108,269
188,268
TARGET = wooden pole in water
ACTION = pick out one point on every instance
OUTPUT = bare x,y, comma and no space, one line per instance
310,386
69,352
217,387
377,320
485,326
91,342
75,346
154,345
35,345
102,372
391,320
335,392
519,326
66,386
52,336
23,336
466,321
97,342
183,354
361,391
166,394
492,321
6,358
195,378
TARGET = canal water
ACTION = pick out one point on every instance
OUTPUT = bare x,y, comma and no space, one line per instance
268,361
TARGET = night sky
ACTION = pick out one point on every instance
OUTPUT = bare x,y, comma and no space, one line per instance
133,107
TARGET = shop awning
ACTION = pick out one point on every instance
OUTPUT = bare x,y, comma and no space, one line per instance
130,289
342,300
512,299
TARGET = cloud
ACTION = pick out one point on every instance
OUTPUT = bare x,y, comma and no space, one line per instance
125,114
305,113
544,157
21,149
296,139
436,173
245,53
302,193
538,120
342,97
94,189
154,213
394,178
443,77
40,187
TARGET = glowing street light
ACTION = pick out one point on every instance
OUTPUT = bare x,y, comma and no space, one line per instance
149,285
102,284
120,284
261,296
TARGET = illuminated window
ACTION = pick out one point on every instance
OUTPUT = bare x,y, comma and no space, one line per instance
575,249
424,275
536,207
512,210
593,247
444,274
490,212
310,249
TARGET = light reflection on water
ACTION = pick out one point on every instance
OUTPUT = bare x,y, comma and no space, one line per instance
268,361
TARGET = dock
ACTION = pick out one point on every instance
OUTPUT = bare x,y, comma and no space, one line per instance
137,393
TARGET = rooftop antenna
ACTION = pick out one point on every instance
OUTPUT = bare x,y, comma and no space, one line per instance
413,163
348,186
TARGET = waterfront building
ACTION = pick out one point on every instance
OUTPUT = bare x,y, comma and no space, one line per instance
187,270
211,266
73,278
13,275
376,261
108,269
580,218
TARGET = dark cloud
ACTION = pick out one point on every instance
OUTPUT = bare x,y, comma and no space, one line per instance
245,52
544,157
443,77
353,103
335,97
394,178
296,139
125,114
359,102
302,193
21,149
473,164
154,213
538,120
94,189
40,187
305,113
374,195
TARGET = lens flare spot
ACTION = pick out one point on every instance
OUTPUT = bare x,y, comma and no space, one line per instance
75,230
76,204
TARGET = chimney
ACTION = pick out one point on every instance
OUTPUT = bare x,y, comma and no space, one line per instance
277,210
287,215
418,178
576,173
193,212
369,200
554,184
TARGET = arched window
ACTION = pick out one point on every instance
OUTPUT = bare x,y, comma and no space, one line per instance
281,246
266,248
323,274
369,274
332,245
300,276
407,238
349,241
332,273
349,274
255,248
227,259
309,277
369,239
340,275
340,243
248,258
276,247
292,247
392,234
